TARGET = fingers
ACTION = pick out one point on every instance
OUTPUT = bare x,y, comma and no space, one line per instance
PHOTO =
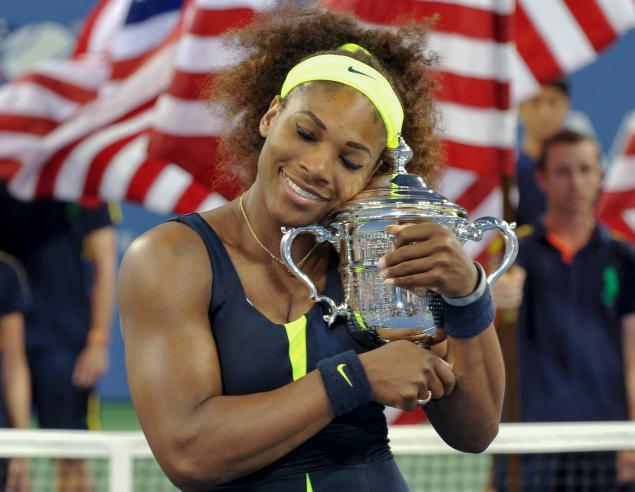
410,334
428,255
417,240
626,466
508,290
86,374
83,377
442,381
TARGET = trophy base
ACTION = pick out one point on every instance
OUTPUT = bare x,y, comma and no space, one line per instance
374,335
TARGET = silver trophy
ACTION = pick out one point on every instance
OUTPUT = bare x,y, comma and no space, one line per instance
375,310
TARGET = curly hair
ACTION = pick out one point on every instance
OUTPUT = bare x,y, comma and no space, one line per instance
277,40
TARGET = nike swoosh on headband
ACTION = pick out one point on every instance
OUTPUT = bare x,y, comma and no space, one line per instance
352,70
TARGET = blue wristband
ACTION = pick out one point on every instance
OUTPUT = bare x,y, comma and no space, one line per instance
345,381
462,320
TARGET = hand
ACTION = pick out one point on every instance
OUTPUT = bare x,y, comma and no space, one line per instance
508,289
400,372
17,476
416,335
428,255
91,365
626,466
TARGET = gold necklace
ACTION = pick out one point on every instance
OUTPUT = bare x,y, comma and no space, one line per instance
273,257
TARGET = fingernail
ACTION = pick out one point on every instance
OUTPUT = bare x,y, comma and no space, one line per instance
389,281
381,264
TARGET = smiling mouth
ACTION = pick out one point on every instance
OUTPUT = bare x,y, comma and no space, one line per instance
300,191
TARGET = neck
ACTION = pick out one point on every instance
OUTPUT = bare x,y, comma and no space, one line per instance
532,147
575,228
266,230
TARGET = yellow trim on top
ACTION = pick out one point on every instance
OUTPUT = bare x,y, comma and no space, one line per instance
309,486
296,333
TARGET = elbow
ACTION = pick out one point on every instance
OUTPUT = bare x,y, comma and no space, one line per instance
476,441
189,469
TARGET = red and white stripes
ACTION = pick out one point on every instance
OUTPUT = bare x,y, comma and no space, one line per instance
473,41
103,150
616,207
127,112
554,38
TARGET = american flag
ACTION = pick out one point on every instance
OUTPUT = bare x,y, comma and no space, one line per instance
125,119
617,203
145,106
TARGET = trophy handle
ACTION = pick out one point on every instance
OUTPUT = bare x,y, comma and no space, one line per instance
474,231
321,234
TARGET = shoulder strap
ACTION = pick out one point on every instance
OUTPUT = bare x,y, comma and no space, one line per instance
225,276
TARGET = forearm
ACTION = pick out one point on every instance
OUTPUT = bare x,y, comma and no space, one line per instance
226,437
468,419
629,379
102,247
17,389
628,337
102,299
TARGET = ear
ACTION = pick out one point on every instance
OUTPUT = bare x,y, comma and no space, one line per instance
267,119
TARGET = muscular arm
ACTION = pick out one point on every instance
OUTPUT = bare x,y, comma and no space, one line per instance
468,419
199,436
428,255
15,371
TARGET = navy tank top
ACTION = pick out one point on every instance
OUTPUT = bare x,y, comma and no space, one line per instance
258,355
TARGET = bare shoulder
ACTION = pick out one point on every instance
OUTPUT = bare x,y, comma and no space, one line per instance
167,268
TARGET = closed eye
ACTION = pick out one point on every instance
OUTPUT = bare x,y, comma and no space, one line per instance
351,165
305,134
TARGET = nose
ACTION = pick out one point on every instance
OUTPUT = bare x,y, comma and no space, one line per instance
317,164
578,180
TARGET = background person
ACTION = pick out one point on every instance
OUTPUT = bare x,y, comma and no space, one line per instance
15,404
69,254
541,116
575,285
263,395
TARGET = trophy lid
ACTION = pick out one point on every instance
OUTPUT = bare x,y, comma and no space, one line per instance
397,195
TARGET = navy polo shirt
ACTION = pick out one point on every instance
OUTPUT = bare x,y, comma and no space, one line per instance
47,238
570,333
531,200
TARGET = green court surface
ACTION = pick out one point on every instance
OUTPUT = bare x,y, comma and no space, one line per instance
118,415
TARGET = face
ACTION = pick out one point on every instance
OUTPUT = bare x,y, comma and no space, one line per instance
572,176
321,149
544,114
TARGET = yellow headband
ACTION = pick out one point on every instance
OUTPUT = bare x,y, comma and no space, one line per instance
358,75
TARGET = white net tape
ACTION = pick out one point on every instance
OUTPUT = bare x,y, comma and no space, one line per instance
125,463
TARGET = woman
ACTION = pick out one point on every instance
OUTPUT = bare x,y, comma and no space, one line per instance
237,381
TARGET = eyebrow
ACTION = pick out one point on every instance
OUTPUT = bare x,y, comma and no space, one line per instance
321,124
315,119
359,146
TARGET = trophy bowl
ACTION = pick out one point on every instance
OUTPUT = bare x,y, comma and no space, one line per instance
379,312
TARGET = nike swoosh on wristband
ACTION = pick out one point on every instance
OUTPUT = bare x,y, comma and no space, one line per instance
340,369
352,70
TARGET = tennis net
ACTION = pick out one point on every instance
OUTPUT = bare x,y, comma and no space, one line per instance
524,457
